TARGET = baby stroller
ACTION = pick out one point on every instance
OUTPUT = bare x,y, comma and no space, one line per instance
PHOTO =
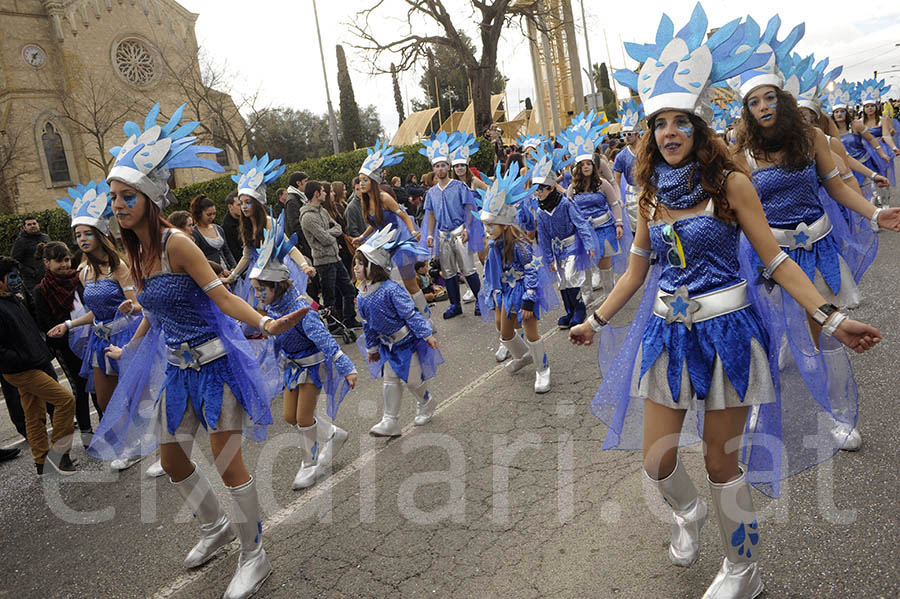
334,324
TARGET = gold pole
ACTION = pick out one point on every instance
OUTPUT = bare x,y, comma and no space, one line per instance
437,96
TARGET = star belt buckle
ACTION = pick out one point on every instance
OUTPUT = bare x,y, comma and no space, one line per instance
102,330
188,357
681,307
557,246
801,237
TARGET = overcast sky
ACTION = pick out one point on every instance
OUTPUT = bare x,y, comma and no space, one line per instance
271,44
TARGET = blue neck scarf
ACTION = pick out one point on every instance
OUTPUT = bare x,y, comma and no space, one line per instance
679,188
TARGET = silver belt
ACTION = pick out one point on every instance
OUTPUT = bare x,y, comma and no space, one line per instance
106,331
395,338
630,189
803,235
561,244
681,307
307,361
601,220
454,233
184,356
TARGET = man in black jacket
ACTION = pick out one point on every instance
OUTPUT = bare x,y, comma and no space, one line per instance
24,248
24,363
231,224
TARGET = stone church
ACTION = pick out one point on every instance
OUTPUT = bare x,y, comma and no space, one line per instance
73,71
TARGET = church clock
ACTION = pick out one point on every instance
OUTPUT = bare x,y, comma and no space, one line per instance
34,55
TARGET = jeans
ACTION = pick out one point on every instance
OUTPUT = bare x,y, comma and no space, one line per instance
335,282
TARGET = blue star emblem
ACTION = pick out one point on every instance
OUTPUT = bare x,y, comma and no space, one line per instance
509,278
537,262
802,238
680,307
189,357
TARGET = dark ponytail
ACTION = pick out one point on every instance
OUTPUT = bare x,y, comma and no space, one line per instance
53,250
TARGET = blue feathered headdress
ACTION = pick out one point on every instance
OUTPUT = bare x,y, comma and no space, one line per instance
840,96
499,201
547,165
378,159
679,69
779,69
275,249
146,159
869,91
630,114
720,120
462,147
531,142
255,174
580,139
813,82
89,205
437,148
380,247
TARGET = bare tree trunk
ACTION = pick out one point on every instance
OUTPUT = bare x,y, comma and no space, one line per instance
481,97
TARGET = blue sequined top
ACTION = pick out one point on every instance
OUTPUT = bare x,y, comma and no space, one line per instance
505,277
175,299
103,297
789,197
854,145
624,164
385,308
564,221
309,336
592,204
710,250
876,132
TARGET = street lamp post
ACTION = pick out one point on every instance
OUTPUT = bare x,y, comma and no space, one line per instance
587,49
332,123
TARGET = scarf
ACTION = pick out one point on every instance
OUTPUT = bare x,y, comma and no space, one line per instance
679,188
59,293
770,145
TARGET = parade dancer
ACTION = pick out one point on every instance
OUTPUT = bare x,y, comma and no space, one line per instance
789,160
312,360
631,116
452,229
881,128
381,208
189,351
598,202
566,240
516,287
696,345
462,146
399,342
109,298
252,178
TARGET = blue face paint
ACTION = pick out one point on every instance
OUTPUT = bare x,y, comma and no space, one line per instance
14,281
130,200
688,130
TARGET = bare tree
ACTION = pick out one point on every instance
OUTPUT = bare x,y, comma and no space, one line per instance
490,16
13,164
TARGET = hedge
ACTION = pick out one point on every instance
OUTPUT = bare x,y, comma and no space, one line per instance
338,167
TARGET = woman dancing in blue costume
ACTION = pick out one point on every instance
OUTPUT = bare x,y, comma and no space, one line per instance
311,357
696,345
189,351
881,128
398,341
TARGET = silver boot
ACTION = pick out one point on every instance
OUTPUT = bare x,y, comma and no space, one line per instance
306,475
689,513
541,366
518,349
214,526
502,353
392,393
253,564
330,442
738,578
425,403
848,437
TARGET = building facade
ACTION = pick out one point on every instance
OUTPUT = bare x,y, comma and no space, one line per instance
73,71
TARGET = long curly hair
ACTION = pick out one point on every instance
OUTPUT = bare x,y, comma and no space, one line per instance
878,112
790,126
584,184
711,157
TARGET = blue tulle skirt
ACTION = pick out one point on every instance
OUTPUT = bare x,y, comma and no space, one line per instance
400,358
335,386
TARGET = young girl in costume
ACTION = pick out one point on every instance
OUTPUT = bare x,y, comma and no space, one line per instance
516,286
399,342
631,116
462,147
109,297
311,357
696,346
880,126
188,364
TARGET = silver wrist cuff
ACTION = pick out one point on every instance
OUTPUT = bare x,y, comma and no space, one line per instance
262,325
68,324
832,325
834,173
596,323
873,222
638,251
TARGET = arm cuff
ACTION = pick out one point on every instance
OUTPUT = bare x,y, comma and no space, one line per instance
212,285
639,251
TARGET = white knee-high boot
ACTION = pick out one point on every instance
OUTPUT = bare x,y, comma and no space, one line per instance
738,578
518,349
425,403
392,393
689,513
253,564
306,475
216,530
541,366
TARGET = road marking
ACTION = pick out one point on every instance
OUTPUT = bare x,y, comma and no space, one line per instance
323,487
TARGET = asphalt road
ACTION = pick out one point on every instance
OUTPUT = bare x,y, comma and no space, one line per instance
504,494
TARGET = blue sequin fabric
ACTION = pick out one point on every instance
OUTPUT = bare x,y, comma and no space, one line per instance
711,254
562,222
178,302
103,297
854,145
789,197
678,188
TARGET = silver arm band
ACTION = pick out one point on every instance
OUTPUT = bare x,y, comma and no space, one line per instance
129,288
639,251
834,173
596,323
262,325
212,285
847,177
831,326
68,324
873,222
769,270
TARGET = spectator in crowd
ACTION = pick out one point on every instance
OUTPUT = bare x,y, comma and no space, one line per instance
209,236
353,214
280,199
322,232
25,363
514,160
295,200
231,225
24,249
433,293
335,205
182,220
54,299
400,192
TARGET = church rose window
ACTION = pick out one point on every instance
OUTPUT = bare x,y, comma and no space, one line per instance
135,62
